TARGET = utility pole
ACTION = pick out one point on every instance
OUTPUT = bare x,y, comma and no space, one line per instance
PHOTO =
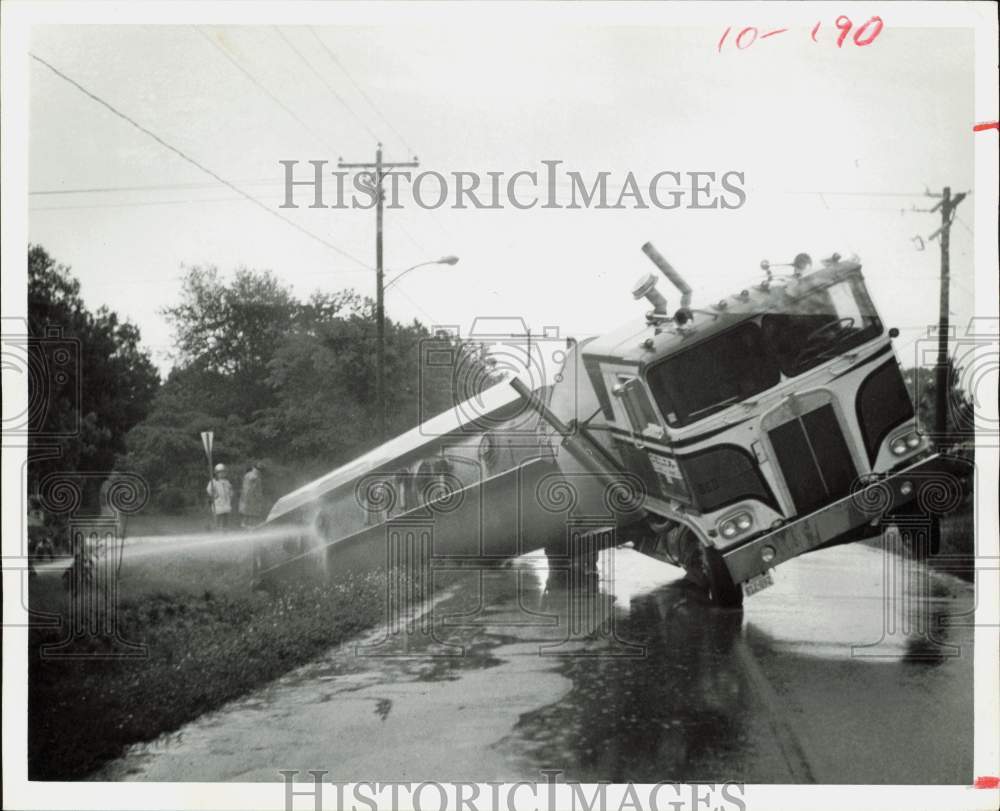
378,170
947,204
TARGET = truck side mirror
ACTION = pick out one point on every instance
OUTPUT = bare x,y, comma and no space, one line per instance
893,332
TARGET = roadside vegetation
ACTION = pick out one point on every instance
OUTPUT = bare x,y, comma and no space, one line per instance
955,555
958,528
957,535
209,639
278,377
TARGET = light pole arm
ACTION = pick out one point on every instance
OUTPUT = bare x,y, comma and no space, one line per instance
444,260
400,275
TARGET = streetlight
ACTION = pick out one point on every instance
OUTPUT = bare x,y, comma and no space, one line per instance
380,349
444,260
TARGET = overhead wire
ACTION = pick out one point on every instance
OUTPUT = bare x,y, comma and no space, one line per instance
356,116
406,232
265,181
963,224
151,187
259,85
333,92
180,153
361,90
250,198
139,204
217,178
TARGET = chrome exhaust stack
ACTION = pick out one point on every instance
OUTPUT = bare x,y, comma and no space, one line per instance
668,271
646,288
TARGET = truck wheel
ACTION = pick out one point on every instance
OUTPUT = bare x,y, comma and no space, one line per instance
687,550
704,567
721,587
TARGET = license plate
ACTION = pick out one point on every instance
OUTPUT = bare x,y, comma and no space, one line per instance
758,583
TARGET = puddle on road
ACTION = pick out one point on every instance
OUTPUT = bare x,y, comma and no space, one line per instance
502,678
631,677
377,701
677,712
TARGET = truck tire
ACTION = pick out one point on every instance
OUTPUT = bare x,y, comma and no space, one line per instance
721,587
704,567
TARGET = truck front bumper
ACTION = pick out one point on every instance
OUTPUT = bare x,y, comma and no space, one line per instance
934,483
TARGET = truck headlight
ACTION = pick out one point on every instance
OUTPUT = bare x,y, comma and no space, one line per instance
905,442
735,525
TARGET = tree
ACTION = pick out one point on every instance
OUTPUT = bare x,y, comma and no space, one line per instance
232,328
288,380
323,378
166,447
921,383
91,381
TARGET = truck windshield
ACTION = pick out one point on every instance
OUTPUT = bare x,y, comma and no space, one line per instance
821,325
709,376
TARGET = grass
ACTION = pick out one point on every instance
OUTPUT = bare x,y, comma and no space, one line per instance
209,639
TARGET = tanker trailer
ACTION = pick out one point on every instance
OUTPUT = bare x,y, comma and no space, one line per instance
477,485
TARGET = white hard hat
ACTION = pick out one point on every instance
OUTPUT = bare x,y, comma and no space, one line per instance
219,468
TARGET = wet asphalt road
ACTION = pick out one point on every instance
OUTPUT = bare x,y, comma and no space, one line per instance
830,676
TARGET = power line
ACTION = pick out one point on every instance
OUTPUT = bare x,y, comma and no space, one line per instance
826,205
195,163
431,321
194,201
406,232
253,79
266,181
138,204
326,84
156,187
361,90
862,193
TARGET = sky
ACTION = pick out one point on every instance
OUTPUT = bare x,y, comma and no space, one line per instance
837,146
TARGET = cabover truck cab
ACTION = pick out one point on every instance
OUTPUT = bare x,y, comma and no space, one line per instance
769,424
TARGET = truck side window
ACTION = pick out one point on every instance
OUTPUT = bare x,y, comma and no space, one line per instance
640,410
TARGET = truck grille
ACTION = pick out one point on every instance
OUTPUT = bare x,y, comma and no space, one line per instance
814,459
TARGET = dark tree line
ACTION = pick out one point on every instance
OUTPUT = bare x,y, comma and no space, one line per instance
960,421
89,381
276,377
286,380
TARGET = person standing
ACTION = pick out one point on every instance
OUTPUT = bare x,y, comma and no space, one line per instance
220,491
252,496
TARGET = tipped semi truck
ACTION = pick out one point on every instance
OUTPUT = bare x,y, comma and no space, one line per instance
725,438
